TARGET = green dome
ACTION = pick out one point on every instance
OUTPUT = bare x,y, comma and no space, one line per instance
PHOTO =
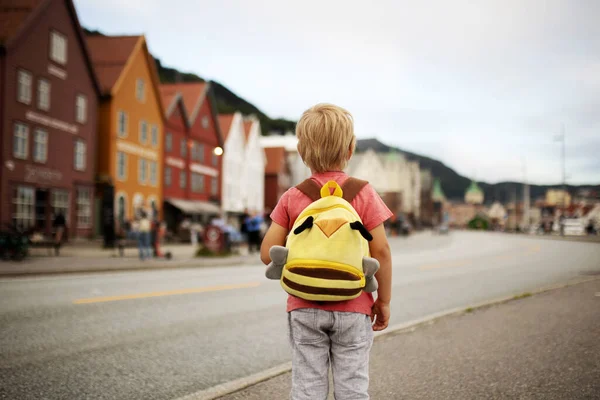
474,188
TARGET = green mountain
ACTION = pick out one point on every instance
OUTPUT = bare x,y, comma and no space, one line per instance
227,101
455,185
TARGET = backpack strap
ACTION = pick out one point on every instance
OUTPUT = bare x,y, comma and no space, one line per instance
352,187
310,188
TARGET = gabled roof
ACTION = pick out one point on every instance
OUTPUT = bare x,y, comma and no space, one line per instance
225,121
170,99
18,16
112,56
193,93
275,160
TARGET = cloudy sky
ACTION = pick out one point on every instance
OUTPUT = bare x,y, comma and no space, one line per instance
482,86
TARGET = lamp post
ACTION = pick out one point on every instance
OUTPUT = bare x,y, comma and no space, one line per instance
563,197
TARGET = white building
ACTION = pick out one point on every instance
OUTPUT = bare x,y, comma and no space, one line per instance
253,168
233,187
369,167
299,171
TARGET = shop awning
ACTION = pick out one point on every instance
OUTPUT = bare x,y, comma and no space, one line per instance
195,206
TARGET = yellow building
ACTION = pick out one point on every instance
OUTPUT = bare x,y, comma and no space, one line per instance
558,197
130,135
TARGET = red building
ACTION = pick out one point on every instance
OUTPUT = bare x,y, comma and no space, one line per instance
277,176
192,156
48,106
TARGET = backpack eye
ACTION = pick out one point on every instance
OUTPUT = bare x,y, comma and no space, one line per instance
307,224
361,228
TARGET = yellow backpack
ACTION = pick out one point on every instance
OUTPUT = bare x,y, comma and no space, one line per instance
326,257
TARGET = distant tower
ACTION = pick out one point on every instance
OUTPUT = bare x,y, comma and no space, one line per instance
474,194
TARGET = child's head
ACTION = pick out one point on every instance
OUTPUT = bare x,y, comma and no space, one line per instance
326,138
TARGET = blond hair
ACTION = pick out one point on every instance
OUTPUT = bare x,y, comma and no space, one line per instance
325,137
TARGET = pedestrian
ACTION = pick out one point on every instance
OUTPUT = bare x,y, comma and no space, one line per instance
144,236
59,225
336,334
253,226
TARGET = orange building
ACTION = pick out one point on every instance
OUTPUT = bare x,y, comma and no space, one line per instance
130,134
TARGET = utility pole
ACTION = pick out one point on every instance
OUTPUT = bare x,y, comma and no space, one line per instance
563,196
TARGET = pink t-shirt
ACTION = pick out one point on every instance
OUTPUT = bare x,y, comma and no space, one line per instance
372,211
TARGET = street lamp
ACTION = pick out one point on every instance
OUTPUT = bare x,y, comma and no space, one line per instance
218,151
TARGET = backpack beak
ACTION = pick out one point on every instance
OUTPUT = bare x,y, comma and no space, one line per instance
330,226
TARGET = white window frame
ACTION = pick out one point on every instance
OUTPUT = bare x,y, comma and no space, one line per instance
182,179
24,86
168,176
20,133
140,90
122,115
24,207
84,207
121,176
197,183
43,94
168,142
80,155
143,134
81,108
142,171
58,47
154,135
200,152
40,142
153,173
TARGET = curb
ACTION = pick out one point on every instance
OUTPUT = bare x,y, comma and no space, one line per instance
216,392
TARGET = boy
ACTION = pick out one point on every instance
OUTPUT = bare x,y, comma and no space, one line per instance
336,333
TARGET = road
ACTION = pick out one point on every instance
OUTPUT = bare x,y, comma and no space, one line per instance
167,333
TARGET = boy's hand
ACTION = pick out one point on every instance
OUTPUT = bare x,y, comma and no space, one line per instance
381,314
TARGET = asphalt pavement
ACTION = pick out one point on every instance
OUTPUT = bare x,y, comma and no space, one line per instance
164,334
541,347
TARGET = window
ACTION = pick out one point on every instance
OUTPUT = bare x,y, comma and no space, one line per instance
154,135
168,176
182,179
24,87
81,108
60,203
21,141
140,90
58,48
215,160
197,183
205,122
40,146
24,207
142,171
84,207
122,123
121,165
80,155
183,148
214,186
153,172
143,131
168,142
198,152
43,94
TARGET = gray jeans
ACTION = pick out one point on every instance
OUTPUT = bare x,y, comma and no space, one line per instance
323,338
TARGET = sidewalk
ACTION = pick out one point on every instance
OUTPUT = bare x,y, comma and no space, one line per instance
95,259
543,347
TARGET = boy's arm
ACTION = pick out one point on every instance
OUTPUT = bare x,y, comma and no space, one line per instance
275,236
380,250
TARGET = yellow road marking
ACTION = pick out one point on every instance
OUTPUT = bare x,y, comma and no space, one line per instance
165,293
